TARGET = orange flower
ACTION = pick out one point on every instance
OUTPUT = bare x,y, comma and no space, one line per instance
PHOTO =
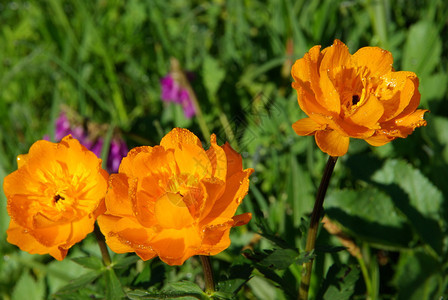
175,200
358,96
54,197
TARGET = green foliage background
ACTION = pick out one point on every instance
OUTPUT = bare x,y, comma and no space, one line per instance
104,60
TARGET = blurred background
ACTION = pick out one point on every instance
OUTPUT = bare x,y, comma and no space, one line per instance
120,74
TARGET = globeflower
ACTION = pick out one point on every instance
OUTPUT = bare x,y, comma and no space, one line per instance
175,200
354,96
54,197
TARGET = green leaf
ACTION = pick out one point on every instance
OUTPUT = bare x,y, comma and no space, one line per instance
79,283
369,214
415,196
418,276
422,60
283,258
433,89
113,285
269,234
213,75
90,262
439,135
262,288
239,274
28,288
181,289
339,284
124,262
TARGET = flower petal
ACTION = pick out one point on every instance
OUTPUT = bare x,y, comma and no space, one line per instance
214,190
179,136
216,238
305,74
397,91
19,236
218,159
413,120
125,235
376,60
192,159
175,246
335,59
332,143
307,126
117,202
236,189
368,113
234,160
379,139
242,219
172,212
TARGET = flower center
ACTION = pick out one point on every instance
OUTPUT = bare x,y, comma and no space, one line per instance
57,197
187,187
182,184
355,99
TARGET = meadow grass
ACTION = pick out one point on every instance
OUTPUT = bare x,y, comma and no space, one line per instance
104,61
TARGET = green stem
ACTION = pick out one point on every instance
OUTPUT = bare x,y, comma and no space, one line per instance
314,225
102,244
365,274
208,274
199,115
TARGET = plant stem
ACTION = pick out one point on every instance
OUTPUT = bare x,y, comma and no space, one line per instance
102,244
208,274
365,274
314,225
179,75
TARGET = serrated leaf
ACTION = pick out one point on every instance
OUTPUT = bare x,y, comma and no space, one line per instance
213,75
371,215
114,289
339,283
90,262
181,289
415,196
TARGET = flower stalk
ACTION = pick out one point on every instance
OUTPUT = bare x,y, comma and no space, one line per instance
314,225
102,244
208,274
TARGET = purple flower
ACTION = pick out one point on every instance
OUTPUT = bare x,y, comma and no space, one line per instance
170,89
97,146
118,150
62,127
173,92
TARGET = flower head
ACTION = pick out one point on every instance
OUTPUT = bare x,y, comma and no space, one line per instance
358,96
175,200
54,197
175,87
